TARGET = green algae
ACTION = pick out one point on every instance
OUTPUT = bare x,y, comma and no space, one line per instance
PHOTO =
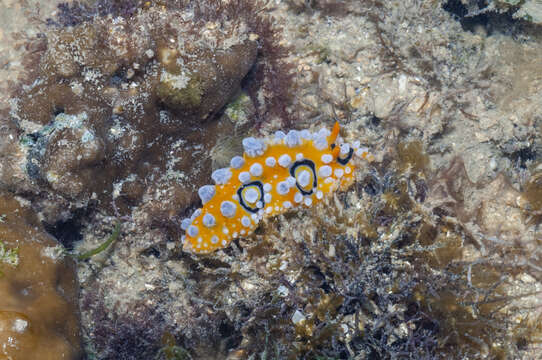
9,256
180,90
322,53
239,109
112,238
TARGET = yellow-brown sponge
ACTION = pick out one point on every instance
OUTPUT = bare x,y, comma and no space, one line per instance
38,288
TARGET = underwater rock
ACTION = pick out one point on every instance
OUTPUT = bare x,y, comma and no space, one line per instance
195,89
38,306
528,10
118,107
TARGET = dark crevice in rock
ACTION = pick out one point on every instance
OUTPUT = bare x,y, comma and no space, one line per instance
67,232
477,15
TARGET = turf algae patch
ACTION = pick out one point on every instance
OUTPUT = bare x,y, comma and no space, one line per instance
531,197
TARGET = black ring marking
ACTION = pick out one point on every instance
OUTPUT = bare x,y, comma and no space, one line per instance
309,164
254,209
346,159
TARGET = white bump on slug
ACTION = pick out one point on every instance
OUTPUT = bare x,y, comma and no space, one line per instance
256,169
192,231
327,158
206,193
290,180
245,221
251,195
253,147
324,132
227,209
270,161
185,223
304,178
244,177
236,162
305,134
292,139
324,171
195,214
221,176
285,160
209,220
283,188
320,142
279,136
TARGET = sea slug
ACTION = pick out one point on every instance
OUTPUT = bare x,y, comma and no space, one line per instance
274,175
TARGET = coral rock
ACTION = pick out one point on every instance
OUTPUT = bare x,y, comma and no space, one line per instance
115,101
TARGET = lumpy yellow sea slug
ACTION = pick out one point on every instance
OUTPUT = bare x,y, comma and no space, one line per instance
274,175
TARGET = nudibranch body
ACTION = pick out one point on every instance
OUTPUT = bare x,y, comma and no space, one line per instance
273,176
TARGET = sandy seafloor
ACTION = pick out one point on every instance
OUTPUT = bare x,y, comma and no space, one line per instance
474,94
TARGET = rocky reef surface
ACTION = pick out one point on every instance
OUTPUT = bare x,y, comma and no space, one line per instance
118,111
109,104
